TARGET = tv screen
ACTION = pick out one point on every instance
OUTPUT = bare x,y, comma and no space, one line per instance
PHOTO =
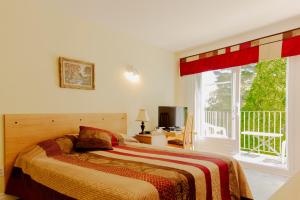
172,117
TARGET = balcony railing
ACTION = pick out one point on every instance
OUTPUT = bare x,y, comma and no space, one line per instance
217,123
261,132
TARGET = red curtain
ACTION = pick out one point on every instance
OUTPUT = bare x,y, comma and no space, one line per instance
291,47
245,55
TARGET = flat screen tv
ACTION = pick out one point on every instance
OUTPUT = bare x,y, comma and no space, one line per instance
172,117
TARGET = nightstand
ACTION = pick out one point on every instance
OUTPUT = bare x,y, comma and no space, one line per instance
157,140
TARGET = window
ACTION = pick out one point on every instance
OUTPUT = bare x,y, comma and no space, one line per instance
248,104
217,97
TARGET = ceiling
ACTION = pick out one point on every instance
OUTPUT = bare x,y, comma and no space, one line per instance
180,24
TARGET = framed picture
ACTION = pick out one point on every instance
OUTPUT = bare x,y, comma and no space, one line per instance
76,74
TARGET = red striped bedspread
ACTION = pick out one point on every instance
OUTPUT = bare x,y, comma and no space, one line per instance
130,171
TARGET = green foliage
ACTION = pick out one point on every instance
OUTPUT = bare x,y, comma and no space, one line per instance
268,90
248,73
220,99
267,93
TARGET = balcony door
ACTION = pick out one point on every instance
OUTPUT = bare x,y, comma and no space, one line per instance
218,92
248,105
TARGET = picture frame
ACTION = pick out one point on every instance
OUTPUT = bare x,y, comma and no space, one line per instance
76,74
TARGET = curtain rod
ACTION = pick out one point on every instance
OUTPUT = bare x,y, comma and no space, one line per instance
243,43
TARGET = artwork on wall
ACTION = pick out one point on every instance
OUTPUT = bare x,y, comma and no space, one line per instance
76,74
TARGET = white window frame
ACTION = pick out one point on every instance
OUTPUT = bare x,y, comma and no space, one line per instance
235,108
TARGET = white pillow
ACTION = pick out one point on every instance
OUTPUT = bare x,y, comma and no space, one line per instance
128,138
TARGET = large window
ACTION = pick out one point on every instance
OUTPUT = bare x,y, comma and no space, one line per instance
246,103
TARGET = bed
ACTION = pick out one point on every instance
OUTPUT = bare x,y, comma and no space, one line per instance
128,171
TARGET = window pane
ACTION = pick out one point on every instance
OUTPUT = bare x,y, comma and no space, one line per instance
263,103
217,101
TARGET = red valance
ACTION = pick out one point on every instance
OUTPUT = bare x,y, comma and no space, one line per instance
291,47
275,46
237,58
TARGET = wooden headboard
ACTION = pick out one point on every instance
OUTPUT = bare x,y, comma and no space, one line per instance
24,130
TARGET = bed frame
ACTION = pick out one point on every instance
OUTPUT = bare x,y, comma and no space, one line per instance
24,130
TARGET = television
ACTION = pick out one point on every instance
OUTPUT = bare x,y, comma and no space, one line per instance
172,118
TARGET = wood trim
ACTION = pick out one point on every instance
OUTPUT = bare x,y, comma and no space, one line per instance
24,130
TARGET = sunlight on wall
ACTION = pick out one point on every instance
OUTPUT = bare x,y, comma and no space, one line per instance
35,33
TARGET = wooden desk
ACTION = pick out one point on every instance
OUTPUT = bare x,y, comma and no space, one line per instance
157,140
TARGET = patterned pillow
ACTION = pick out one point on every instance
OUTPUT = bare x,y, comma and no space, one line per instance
66,143
116,138
93,138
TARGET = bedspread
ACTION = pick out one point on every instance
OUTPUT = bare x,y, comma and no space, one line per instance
130,171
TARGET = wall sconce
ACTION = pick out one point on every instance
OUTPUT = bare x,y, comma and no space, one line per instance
132,74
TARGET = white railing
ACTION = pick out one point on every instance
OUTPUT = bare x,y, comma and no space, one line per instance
263,132
217,123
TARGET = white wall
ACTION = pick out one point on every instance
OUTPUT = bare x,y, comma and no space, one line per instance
290,190
185,87
34,33
294,114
